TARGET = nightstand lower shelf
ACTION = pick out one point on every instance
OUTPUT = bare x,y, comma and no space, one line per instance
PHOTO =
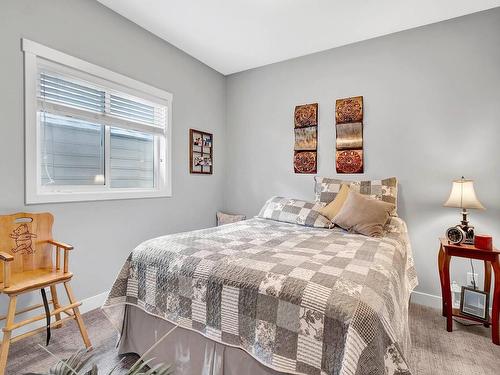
457,314
491,259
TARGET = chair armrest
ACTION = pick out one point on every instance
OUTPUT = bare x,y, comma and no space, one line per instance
62,245
6,257
66,248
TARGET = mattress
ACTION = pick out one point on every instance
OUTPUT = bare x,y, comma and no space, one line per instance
296,299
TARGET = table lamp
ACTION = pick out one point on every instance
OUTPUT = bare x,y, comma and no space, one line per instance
463,196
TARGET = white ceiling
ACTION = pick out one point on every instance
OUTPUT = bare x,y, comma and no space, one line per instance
235,35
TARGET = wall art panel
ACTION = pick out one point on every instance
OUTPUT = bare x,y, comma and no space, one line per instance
306,139
305,162
349,110
349,161
349,136
306,115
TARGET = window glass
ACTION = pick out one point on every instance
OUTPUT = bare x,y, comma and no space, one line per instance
72,151
132,159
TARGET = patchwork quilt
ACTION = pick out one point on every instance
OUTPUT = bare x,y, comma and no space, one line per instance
300,300
295,211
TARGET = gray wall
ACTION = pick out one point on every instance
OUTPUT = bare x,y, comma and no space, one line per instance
104,233
432,114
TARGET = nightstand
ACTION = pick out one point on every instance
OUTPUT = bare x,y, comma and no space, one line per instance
491,259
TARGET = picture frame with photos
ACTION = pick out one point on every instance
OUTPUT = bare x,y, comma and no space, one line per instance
475,303
200,152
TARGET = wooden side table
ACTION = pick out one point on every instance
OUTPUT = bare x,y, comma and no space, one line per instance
491,259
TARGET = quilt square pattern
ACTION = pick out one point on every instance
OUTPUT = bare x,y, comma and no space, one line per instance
299,299
295,211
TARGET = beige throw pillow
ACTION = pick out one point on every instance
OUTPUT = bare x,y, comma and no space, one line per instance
363,215
333,208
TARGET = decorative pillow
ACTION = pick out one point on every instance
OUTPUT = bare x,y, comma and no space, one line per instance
363,215
295,211
385,190
333,208
223,218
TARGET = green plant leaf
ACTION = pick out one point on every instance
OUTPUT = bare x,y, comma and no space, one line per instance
116,366
93,371
72,365
161,369
139,366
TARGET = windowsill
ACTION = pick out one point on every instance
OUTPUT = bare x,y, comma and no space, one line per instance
62,197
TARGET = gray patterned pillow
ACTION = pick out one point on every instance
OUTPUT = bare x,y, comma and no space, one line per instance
223,218
295,211
386,190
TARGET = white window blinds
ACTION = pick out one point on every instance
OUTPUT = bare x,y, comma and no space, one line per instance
58,90
132,110
75,96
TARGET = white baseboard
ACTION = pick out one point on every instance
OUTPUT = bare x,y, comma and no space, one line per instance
88,304
431,300
94,302
425,299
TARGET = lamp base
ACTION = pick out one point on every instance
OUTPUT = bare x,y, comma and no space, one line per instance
469,235
468,229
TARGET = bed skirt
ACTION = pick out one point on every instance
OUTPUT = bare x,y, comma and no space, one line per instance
187,351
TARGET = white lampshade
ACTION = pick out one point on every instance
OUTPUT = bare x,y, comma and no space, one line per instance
463,195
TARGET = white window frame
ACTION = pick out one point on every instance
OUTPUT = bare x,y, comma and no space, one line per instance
35,193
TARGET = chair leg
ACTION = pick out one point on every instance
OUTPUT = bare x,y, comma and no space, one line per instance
56,304
78,317
7,333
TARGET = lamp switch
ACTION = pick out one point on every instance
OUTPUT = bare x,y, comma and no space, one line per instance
469,279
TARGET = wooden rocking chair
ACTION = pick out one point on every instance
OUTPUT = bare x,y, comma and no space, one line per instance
26,265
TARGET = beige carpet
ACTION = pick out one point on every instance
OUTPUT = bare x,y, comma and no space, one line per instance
466,351
26,356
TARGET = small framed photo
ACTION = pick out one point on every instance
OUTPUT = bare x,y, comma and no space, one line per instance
475,303
197,140
207,140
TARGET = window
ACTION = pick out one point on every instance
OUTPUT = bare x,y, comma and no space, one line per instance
92,134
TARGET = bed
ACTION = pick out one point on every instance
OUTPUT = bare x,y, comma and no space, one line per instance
263,296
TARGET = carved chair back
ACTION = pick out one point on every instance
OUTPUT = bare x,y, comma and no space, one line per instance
25,236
